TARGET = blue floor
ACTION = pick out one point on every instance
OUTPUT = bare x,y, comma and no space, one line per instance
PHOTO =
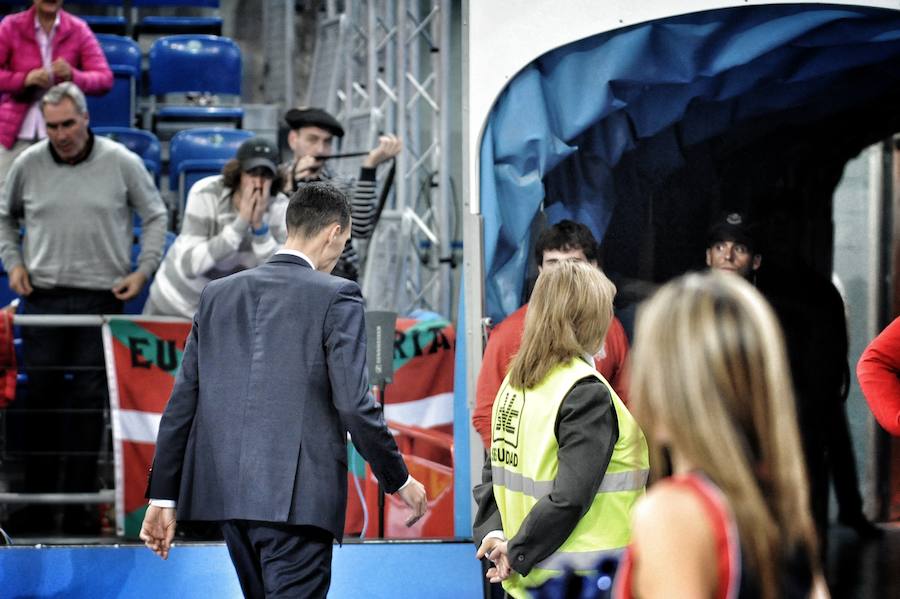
360,570
54,568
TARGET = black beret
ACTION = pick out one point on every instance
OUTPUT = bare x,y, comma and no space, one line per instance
313,117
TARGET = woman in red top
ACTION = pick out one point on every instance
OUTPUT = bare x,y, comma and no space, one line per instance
878,372
710,384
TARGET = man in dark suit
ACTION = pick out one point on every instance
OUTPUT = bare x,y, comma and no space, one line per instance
273,376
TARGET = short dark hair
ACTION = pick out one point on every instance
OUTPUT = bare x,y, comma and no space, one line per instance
231,177
315,206
567,235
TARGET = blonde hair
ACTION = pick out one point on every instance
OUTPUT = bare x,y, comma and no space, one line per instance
708,369
568,316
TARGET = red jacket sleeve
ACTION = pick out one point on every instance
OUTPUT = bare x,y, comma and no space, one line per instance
878,370
502,345
614,365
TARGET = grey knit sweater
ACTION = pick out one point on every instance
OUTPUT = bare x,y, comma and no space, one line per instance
79,218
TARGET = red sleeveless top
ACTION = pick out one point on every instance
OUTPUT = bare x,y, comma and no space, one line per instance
725,533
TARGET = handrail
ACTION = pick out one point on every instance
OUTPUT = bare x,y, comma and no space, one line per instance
82,320
439,439
65,320
104,496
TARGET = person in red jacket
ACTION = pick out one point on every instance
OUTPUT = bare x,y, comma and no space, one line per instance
564,241
40,47
878,372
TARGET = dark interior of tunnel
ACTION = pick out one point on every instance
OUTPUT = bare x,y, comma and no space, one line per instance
780,170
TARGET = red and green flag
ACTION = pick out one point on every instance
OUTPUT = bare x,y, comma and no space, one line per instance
142,358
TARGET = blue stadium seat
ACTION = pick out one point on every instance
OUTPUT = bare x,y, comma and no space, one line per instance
198,153
143,143
204,68
107,24
155,24
7,295
117,108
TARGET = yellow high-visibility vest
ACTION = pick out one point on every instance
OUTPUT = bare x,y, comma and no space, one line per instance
524,464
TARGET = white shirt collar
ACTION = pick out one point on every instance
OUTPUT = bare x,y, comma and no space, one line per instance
298,254
37,23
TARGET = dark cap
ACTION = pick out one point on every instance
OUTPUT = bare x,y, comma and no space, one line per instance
313,117
258,151
735,227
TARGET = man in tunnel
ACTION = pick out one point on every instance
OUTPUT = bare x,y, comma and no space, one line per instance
731,247
812,316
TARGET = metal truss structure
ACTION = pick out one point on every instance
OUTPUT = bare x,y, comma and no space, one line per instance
382,66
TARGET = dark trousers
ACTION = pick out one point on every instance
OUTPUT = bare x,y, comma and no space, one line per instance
64,416
842,463
279,560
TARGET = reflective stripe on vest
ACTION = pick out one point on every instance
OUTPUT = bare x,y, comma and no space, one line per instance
612,481
524,466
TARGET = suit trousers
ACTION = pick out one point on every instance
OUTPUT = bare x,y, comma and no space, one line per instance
279,560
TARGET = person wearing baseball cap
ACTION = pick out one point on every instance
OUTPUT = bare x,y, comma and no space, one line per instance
732,246
311,138
232,221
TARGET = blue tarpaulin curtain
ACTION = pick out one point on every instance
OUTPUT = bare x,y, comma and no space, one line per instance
564,122
649,93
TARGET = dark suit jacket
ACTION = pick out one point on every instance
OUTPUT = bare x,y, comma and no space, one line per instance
272,377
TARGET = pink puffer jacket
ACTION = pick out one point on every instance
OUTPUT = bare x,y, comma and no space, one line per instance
20,53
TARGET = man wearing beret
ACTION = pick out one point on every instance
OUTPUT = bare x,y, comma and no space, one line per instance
312,133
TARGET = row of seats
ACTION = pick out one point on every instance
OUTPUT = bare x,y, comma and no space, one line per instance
122,22
199,68
193,153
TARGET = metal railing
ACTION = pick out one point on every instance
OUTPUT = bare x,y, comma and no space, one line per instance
105,453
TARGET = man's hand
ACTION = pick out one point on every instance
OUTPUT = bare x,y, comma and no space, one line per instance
130,286
413,495
38,78
19,280
388,146
158,530
497,551
62,71
307,168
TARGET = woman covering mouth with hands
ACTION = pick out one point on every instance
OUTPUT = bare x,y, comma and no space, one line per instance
232,222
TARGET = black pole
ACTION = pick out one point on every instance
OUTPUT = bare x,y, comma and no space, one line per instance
342,155
380,396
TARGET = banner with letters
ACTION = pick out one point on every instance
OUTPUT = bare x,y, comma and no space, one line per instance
420,395
142,358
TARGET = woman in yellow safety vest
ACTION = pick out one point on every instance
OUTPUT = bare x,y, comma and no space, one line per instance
567,460
710,384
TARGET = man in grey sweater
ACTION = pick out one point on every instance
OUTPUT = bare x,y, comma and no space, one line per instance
75,194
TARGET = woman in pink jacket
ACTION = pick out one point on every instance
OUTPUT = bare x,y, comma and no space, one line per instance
40,47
